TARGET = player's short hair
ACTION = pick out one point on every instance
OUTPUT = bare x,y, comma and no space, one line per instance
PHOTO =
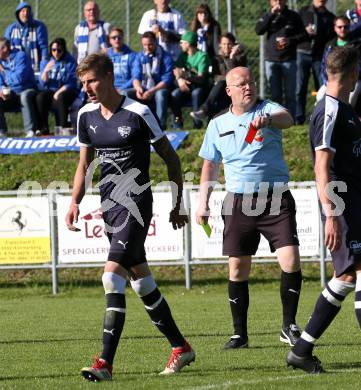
149,35
4,42
342,60
101,64
344,18
117,29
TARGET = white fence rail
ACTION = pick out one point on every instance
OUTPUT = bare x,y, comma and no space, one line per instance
33,232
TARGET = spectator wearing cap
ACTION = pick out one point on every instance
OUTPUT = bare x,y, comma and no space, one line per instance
91,34
28,35
153,77
123,58
17,87
192,79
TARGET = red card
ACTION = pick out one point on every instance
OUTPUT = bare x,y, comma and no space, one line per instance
251,134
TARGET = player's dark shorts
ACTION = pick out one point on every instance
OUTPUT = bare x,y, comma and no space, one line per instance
241,234
350,251
127,235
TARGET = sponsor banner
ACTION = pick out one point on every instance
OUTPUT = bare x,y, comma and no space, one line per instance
24,230
307,226
91,244
62,144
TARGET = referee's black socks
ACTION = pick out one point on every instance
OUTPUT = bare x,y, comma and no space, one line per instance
238,297
290,289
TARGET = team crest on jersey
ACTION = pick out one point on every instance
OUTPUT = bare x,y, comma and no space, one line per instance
124,131
357,147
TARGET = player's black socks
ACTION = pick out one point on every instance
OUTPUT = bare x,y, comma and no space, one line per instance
113,325
358,299
326,309
161,316
239,301
290,288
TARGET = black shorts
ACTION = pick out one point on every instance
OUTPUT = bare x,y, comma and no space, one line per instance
127,235
350,251
241,234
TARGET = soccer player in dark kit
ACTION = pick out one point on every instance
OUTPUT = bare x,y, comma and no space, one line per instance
120,130
335,134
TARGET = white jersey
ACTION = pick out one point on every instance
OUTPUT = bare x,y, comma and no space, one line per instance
169,21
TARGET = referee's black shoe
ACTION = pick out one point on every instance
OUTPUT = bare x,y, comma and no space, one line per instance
290,334
236,342
308,363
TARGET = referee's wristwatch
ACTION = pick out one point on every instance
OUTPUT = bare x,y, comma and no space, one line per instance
269,120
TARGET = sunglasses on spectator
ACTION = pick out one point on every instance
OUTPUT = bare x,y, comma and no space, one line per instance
116,37
59,50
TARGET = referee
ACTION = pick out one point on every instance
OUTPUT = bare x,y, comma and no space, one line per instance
257,201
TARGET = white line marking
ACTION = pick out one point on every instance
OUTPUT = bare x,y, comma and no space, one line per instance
269,380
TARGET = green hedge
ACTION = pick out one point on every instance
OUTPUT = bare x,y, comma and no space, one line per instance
46,168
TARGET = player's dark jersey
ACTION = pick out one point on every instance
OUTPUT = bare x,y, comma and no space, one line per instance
121,142
335,126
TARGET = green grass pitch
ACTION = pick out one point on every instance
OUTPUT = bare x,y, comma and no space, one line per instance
45,340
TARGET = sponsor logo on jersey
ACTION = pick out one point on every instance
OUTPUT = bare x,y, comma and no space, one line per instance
355,246
124,131
357,147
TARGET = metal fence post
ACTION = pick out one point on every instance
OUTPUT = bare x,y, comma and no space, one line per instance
127,21
80,10
262,80
229,16
216,9
187,253
36,11
53,240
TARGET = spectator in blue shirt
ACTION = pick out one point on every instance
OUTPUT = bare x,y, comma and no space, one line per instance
17,87
354,14
29,35
153,77
122,57
58,85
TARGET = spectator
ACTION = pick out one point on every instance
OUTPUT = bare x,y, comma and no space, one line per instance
355,16
230,56
122,57
58,86
207,29
28,35
284,30
153,77
167,24
17,87
318,22
343,38
91,34
191,74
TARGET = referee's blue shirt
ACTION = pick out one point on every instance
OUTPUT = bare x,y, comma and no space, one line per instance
246,165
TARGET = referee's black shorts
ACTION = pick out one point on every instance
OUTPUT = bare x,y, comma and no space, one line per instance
241,234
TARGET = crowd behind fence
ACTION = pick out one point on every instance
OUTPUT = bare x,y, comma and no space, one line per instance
237,16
